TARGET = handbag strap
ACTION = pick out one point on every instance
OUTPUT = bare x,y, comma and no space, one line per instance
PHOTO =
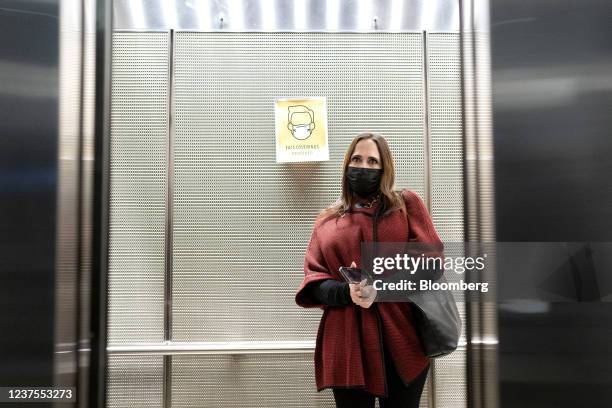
375,230
375,223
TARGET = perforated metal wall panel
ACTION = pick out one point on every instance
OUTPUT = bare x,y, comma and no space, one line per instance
444,85
242,221
445,125
139,135
258,380
450,387
134,381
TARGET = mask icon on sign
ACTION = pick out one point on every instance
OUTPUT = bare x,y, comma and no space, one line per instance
301,121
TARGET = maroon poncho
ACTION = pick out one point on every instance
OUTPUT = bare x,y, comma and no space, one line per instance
349,344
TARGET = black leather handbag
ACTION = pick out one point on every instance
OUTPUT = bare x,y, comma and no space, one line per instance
437,320
436,316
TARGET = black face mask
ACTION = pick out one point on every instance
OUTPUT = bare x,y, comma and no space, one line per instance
363,181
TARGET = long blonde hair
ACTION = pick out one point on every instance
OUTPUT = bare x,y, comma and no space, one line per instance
390,200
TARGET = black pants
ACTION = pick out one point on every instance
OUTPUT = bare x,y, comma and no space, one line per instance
398,394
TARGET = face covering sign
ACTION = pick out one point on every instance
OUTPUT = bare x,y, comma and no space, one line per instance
301,129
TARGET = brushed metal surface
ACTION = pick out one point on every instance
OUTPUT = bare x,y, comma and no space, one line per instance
479,198
68,282
29,121
552,94
86,212
220,347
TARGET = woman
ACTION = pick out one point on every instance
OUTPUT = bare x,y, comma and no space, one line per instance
364,349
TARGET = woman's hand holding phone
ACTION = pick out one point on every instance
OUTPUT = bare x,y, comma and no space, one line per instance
362,294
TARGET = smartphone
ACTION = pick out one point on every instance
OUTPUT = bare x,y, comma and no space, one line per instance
352,275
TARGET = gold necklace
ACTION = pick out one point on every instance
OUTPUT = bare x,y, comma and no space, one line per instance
367,205
371,202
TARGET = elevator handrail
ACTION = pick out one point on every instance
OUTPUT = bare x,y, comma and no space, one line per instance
222,347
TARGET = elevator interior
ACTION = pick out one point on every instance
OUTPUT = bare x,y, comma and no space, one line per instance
207,232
